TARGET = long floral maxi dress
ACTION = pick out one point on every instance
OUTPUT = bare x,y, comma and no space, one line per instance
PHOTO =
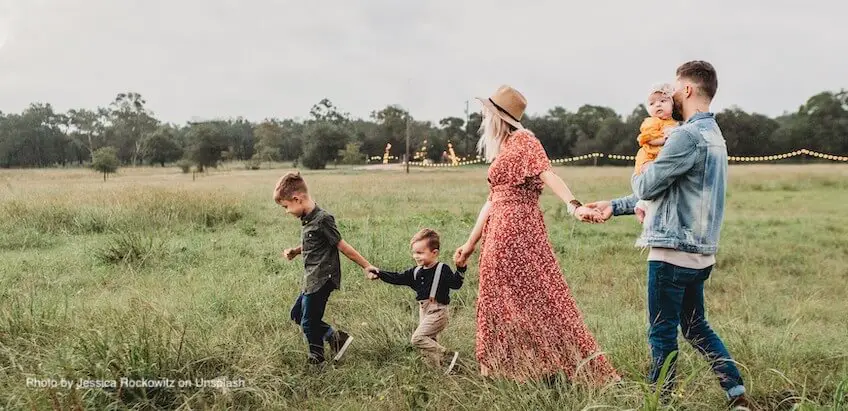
528,324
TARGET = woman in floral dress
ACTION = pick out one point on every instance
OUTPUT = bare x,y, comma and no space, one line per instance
528,324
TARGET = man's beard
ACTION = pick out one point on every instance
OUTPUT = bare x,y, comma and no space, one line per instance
676,111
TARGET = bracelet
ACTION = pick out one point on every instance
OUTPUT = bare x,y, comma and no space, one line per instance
573,205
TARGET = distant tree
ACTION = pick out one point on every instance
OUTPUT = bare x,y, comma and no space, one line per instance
391,129
471,134
270,140
746,134
160,147
241,139
206,143
325,111
351,154
88,128
130,121
39,136
105,160
322,144
454,129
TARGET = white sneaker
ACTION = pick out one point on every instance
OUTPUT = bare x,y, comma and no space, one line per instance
453,362
347,339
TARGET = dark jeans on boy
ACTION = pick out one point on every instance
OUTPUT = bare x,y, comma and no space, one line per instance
676,297
308,312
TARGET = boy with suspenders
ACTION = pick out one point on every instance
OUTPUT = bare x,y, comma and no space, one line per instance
432,282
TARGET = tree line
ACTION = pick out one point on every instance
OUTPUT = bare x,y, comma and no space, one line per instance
128,130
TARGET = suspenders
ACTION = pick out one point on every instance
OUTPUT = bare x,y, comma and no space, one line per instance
436,277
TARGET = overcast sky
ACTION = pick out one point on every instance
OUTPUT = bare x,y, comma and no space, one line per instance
265,58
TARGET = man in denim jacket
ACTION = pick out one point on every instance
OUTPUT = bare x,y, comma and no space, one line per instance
687,183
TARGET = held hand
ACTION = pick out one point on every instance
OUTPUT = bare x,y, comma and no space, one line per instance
588,215
290,253
460,257
603,207
371,272
644,167
640,215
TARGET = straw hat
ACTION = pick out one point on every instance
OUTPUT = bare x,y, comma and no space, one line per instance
508,104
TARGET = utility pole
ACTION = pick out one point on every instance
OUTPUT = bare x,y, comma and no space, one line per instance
406,156
465,136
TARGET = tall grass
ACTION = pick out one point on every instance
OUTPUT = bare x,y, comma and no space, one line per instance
120,211
155,276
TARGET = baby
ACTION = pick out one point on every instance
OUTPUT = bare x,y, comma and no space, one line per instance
653,132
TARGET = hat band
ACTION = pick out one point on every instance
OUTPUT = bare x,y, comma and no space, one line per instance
502,110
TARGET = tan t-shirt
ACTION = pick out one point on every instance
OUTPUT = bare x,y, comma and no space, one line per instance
681,258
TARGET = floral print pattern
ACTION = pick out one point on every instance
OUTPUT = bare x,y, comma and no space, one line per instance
528,324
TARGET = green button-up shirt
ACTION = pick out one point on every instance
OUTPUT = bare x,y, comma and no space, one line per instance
320,239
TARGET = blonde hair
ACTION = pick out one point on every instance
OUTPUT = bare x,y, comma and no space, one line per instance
493,131
290,184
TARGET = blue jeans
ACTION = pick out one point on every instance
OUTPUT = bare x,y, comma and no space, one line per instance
676,297
308,312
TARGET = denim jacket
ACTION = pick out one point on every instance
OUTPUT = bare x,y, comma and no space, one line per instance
687,182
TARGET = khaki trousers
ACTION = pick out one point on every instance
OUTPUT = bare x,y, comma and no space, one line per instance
432,319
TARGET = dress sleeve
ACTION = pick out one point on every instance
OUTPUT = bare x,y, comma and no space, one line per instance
521,158
535,159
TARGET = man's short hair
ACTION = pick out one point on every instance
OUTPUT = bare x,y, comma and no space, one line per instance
701,73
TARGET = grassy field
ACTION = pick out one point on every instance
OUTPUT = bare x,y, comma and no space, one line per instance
151,275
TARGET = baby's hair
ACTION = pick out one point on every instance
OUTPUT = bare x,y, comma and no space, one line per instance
289,185
665,89
431,236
